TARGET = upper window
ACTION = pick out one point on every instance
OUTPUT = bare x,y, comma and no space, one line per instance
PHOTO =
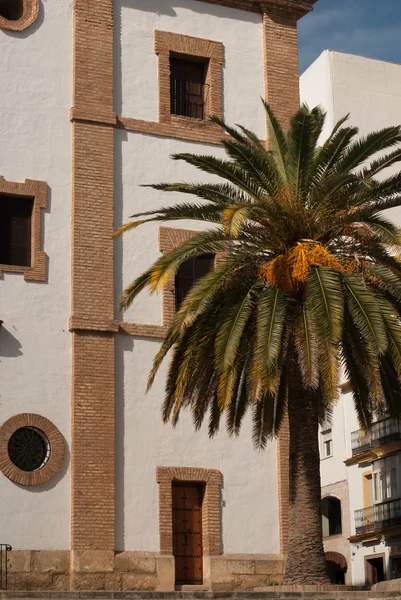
188,273
327,443
190,81
187,87
15,231
331,516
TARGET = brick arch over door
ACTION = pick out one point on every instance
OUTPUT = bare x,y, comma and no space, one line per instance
211,518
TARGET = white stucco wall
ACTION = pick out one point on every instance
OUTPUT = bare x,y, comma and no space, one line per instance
249,495
136,77
250,510
35,143
316,89
370,90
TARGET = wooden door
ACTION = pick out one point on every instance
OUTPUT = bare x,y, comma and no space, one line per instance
187,532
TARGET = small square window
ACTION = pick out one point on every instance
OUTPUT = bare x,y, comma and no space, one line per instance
188,87
327,443
188,273
15,230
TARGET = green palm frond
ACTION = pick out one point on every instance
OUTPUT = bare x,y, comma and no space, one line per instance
362,305
307,280
270,323
326,299
306,343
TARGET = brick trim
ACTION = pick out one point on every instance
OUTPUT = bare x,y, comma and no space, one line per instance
167,43
92,312
211,527
280,42
192,130
29,16
283,482
56,444
37,190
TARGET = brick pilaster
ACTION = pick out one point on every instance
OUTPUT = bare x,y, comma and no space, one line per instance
281,71
280,39
92,317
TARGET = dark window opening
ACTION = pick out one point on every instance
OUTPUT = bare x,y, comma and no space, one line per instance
187,87
15,231
336,573
331,517
28,449
12,9
188,273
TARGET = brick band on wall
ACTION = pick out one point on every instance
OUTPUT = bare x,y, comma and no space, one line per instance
92,319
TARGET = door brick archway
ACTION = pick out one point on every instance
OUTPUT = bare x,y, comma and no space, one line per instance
211,518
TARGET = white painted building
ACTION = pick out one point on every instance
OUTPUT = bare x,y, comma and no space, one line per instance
89,112
368,484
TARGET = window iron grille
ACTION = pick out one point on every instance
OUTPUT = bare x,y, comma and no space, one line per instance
28,449
188,88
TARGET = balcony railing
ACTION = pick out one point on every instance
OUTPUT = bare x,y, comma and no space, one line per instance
378,517
382,432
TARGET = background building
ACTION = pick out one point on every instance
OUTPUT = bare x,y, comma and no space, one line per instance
95,96
361,475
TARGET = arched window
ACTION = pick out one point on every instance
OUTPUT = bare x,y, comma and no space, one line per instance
12,10
331,516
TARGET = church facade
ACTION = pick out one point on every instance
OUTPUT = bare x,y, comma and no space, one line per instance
95,96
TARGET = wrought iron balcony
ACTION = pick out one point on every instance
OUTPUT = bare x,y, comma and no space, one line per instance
378,517
382,432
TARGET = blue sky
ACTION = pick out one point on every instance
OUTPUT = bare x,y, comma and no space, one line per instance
367,27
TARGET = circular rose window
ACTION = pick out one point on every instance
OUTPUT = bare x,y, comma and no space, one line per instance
31,449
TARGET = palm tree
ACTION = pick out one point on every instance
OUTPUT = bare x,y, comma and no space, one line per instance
309,285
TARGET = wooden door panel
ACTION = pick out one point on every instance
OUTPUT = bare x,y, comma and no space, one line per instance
187,532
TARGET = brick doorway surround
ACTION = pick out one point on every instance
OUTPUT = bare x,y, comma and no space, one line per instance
211,517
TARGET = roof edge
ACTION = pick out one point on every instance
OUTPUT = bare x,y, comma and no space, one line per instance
300,7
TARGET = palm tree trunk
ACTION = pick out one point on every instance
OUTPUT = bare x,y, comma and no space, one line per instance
306,562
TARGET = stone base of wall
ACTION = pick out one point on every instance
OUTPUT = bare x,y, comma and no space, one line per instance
130,571
232,572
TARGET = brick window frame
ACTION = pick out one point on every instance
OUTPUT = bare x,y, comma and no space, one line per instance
37,190
211,517
185,46
56,443
29,16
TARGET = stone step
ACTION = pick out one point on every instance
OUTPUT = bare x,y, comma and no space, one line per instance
336,594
